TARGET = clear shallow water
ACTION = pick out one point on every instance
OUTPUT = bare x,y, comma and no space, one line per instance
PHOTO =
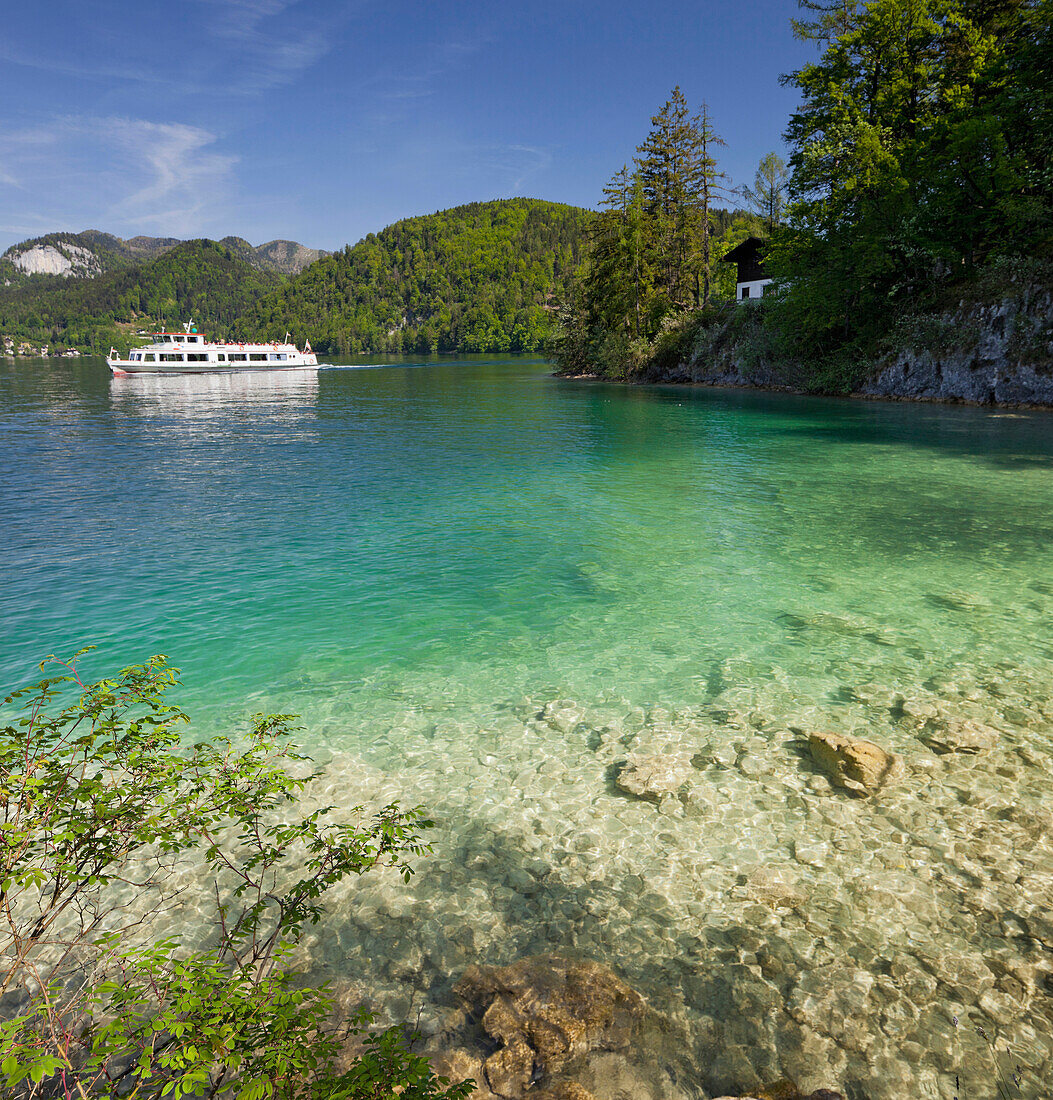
480,587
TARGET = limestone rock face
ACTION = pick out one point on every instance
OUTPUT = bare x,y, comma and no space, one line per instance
861,767
654,776
46,259
988,354
545,1011
963,736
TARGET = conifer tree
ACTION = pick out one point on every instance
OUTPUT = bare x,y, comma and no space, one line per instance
620,234
710,183
679,180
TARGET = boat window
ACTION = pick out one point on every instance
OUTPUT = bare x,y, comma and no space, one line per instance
221,357
191,339
171,357
151,357
197,358
258,357
236,358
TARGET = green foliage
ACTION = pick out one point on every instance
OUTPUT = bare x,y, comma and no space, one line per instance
477,278
921,176
831,18
921,156
103,804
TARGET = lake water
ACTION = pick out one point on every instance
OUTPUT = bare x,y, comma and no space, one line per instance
481,587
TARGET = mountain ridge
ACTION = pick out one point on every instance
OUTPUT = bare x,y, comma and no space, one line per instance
94,252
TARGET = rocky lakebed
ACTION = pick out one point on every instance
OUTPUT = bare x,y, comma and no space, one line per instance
756,897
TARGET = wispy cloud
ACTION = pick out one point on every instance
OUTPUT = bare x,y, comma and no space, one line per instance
268,49
515,164
19,147
418,81
264,44
183,180
116,173
97,71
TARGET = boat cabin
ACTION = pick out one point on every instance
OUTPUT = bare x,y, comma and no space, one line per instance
749,257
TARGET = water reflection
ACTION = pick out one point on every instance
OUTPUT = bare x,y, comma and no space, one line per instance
210,395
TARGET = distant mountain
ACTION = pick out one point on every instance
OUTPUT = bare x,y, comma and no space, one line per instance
201,279
93,253
285,257
481,277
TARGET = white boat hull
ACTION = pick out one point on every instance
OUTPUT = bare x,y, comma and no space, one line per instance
126,367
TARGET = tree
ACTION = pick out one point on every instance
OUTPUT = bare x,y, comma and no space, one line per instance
833,18
767,197
912,160
618,241
679,180
710,184
650,250
102,804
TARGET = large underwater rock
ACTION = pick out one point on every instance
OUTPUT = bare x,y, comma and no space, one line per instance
545,1011
653,776
861,767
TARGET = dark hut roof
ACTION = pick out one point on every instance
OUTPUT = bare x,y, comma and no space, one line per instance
749,250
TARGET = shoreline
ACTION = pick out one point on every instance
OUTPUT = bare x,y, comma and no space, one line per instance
759,387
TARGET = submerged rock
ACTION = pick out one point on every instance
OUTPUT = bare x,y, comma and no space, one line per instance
565,1090
786,1090
859,766
961,735
545,1011
460,1065
654,776
774,887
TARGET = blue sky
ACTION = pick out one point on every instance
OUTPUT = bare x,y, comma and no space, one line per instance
323,120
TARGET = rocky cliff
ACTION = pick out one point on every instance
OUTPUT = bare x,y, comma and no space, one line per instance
988,354
996,353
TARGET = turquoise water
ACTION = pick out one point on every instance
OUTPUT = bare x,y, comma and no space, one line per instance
479,585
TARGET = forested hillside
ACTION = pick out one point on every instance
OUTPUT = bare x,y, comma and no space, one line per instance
482,277
199,279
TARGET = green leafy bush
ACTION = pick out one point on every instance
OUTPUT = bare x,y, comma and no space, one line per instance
103,805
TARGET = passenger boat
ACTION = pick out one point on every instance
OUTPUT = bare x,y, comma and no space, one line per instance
191,352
